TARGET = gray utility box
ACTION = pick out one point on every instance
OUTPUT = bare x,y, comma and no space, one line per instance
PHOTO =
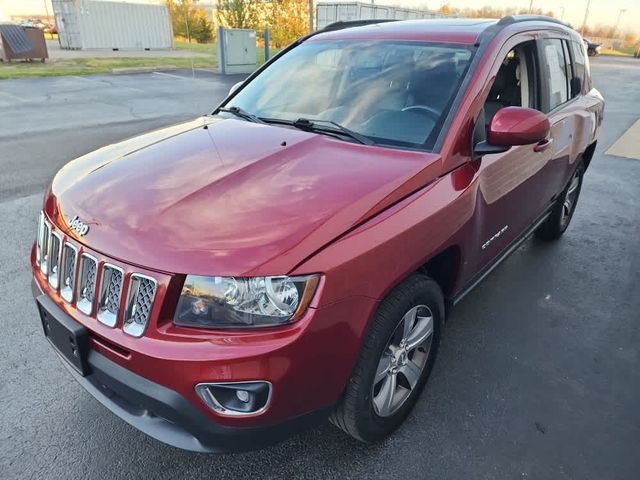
236,50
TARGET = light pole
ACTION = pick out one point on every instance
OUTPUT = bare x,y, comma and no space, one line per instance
310,16
562,14
586,15
530,6
615,29
185,8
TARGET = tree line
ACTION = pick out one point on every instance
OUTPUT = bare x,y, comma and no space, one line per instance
598,30
286,20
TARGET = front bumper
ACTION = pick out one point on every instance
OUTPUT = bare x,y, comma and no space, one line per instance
165,414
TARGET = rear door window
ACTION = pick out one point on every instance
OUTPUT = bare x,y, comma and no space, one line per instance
558,72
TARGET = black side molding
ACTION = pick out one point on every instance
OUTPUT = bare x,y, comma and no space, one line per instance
475,281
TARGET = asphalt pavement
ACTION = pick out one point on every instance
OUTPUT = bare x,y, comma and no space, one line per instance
537,376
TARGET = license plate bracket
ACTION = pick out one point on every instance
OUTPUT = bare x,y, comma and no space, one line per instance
69,338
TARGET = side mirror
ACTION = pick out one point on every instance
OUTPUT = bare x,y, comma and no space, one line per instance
512,126
235,87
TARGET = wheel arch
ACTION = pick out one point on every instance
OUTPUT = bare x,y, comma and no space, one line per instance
444,269
587,156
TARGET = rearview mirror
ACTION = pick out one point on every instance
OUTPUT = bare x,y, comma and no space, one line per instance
512,126
235,87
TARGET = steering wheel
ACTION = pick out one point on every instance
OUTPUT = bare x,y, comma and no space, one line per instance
432,112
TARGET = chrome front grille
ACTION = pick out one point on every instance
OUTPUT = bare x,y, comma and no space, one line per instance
110,293
81,277
68,275
142,291
87,283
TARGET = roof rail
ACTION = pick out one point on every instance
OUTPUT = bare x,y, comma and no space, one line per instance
354,23
504,21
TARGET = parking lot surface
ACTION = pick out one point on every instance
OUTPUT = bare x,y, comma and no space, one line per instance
537,376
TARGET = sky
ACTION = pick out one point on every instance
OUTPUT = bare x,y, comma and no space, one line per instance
600,12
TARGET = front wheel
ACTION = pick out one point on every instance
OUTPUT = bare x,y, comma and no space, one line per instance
562,212
395,361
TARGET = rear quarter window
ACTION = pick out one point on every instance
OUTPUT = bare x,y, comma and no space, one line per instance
579,62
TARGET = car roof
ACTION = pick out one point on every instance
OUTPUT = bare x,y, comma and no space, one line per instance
449,30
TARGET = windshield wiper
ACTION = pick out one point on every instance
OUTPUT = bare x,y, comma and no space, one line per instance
329,126
238,112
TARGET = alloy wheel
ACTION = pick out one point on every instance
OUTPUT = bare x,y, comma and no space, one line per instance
570,198
403,361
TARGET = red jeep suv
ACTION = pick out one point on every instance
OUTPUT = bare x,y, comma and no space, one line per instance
221,283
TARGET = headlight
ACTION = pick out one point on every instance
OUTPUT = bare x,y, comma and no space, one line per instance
227,302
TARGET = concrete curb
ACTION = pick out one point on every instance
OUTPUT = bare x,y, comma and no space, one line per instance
158,68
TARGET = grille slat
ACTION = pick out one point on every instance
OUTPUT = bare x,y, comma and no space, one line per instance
69,258
39,238
87,283
142,291
44,250
110,292
55,250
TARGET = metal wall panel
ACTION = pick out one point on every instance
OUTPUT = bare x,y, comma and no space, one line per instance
113,25
370,12
327,13
64,14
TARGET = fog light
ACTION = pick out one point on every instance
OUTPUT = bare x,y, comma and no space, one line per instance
236,398
242,395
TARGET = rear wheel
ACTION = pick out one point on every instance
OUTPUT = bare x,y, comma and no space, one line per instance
395,361
562,212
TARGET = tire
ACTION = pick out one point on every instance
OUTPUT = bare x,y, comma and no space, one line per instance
561,214
362,411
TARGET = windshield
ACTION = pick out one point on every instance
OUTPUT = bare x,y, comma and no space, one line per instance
393,92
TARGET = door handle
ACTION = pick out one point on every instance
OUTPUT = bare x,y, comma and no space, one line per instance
543,145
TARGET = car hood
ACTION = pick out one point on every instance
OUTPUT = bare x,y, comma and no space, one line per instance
219,196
